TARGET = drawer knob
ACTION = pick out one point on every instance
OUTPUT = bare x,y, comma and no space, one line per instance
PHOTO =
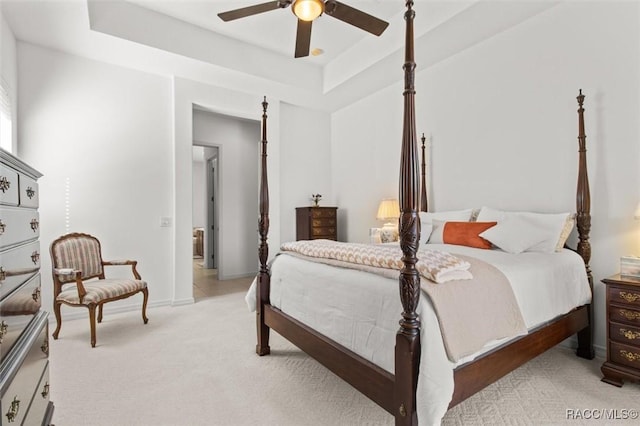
30,192
4,183
3,330
630,334
45,390
13,410
629,297
2,227
36,294
45,347
630,356
3,274
630,315
34,224
35,256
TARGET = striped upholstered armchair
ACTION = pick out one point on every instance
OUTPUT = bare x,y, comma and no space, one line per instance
79,280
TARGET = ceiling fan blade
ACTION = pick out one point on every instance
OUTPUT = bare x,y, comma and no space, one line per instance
250,10
355,17
303,38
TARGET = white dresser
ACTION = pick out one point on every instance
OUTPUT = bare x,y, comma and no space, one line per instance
24,337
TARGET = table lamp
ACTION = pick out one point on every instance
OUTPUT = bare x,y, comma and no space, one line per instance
389,211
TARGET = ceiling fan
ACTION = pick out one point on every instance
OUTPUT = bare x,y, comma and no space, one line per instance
308,10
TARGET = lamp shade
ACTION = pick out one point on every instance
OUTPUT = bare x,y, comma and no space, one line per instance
388,209
307,10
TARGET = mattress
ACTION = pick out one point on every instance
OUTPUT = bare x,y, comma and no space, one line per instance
360,310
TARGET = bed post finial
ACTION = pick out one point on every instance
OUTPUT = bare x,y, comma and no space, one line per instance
424,206
264,279
407,351
583,220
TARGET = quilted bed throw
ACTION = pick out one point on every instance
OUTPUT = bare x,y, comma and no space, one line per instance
436,266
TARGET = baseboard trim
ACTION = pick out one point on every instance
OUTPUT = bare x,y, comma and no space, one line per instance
75,313
236,276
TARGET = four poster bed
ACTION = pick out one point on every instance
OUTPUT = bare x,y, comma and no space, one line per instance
391,379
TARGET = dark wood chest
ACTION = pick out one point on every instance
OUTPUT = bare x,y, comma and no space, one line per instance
623,330
313,223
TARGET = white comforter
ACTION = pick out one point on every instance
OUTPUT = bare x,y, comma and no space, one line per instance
361,310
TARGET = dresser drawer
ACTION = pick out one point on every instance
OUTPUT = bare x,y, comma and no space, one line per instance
624,334
624,296
322,232
624,355
321,212
29,192
40,401
16,312
623,314
17,265
8,186
18,225
30,361
323,222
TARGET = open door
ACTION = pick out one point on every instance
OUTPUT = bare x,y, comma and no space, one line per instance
211,260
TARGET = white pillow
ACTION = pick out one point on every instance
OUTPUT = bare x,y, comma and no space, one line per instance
516,234
550,225
426,220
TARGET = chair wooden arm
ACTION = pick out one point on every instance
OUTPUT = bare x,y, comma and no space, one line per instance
78,276
133,264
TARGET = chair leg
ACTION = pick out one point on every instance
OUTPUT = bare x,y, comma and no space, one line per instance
92,322
56,309
100,312
145,294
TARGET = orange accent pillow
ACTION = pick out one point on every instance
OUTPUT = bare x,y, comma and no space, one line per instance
461,233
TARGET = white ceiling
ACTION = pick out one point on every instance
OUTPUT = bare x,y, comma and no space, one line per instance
276,30
185,38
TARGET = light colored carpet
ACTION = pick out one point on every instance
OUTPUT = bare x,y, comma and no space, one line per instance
196,365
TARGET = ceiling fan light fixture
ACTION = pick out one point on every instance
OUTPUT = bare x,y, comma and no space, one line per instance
307,10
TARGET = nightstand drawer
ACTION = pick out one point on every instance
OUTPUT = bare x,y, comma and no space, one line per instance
625,334
323,222
624,296
625,355
624,314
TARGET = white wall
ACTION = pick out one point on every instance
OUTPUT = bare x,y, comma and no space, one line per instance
305,165
238,142
9,73
101,135
502,122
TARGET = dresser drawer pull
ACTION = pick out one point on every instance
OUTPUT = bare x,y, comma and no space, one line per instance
30,192
3,330
629,334
629,297
36,294
35,256
630,356
45,347
45,390
2,227
4,183
630,315
3,274
34,224
13,410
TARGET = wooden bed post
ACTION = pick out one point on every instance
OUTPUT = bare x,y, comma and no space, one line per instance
264,278
424,206
407,350
583,220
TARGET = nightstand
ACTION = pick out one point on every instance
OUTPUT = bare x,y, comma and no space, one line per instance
623,330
